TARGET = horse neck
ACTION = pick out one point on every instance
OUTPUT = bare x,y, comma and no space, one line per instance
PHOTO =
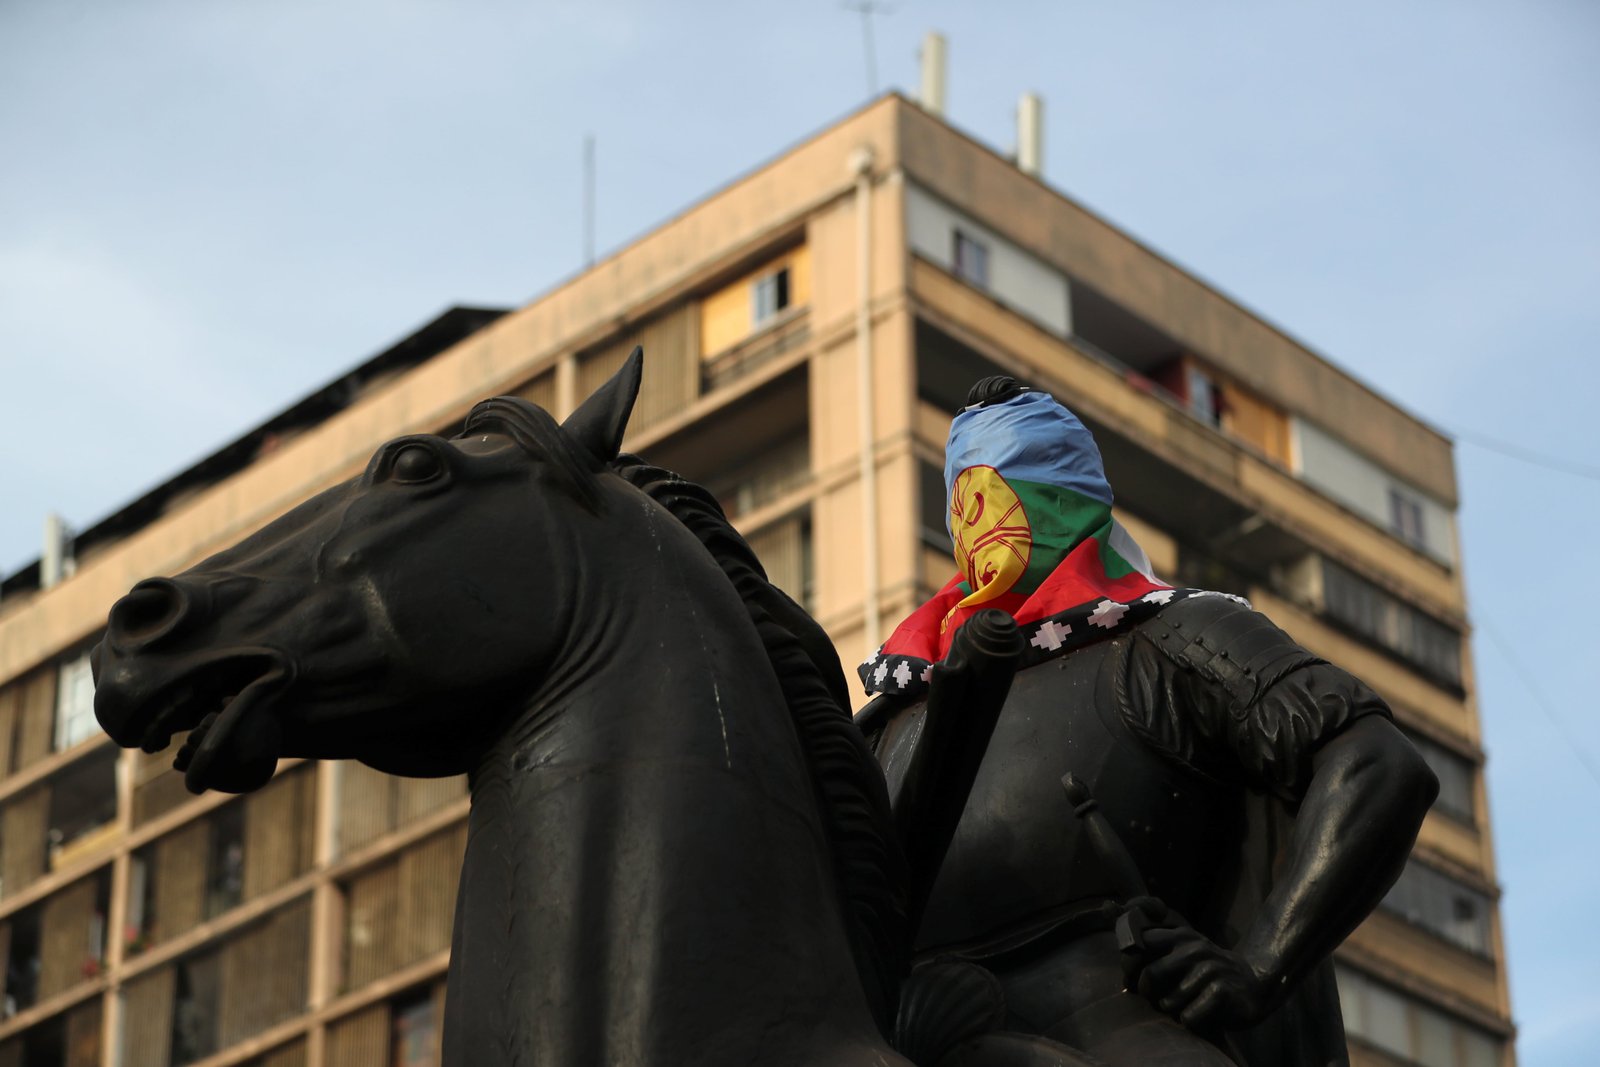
645,878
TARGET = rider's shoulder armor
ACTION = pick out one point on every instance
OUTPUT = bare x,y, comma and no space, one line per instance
1226,643
1219,688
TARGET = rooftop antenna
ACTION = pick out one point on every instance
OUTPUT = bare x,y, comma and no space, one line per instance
588,201
1030,134
56,562
933,63
867,9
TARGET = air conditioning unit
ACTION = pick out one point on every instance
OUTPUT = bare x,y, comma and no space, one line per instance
1301,582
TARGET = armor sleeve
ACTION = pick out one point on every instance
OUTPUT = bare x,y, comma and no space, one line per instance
1222,689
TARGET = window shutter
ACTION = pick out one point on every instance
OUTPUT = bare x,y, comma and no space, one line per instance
36,718
147,1017
74,715
781,549
178,897
241,1007
278,828
360,1040
540,390
289,989
371,925
83,1035
22,839
66,925
291,1055
670,367
10,709
428,874
419,796
366,805
5,957
263,975
157,788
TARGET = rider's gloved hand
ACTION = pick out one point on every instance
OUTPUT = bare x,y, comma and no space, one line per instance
1189,976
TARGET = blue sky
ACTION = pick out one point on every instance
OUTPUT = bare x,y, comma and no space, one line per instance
206,210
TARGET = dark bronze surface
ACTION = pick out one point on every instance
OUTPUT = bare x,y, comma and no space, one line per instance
680,848
1235,807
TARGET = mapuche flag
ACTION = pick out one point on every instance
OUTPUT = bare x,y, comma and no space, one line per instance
1029,514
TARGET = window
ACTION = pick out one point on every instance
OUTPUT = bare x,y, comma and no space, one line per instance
54,945
212,864
82,810
540,390
782,468
785,551
225,863
671,366
22,962
946,370
769,295
1407,511
1204,396
158,786
1442,906
290,1054
1390,1020
729,316
221,995
1405,517
194,1007
402,909
971,260
71,1039
1455,774
1421,640
414,1041
27,713
75,719
371,803
932,509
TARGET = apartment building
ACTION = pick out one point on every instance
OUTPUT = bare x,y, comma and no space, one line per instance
809,331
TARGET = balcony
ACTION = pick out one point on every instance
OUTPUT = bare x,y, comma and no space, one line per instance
1165,463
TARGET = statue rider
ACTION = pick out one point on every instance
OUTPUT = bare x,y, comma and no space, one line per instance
1264,797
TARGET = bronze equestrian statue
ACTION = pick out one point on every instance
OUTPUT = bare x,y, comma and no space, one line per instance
1254,802
674,854
681,850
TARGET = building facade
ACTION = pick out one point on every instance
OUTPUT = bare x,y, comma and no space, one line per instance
847,293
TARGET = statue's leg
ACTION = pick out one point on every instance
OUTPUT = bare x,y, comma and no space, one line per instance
1124,1030
950,1014
1074,994
1005,1049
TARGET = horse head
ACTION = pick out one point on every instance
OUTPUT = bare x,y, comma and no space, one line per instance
391,619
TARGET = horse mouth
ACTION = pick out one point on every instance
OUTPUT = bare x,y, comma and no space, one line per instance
232,744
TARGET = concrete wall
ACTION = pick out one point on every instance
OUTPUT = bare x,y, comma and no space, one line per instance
1361,485
1020,281
692,252
975,181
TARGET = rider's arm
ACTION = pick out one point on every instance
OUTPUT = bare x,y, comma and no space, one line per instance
1249,705
1368,792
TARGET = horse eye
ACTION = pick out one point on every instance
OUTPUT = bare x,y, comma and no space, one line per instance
416,463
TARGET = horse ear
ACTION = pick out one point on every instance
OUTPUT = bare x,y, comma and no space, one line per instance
600,421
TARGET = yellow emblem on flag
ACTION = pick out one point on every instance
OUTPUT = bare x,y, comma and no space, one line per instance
993,539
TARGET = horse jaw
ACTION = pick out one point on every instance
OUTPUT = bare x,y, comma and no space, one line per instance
224,701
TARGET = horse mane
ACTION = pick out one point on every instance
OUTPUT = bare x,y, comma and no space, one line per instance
571,465
851,796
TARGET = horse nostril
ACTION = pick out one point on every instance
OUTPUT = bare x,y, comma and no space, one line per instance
152,610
